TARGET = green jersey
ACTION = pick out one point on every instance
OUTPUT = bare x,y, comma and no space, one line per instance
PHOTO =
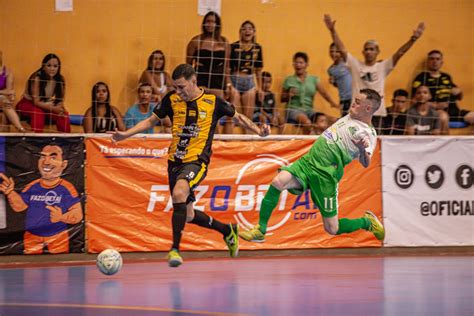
335,147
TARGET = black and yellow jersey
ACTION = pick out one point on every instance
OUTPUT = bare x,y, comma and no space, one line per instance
193,124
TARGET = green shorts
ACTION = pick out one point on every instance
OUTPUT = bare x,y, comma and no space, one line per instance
321,181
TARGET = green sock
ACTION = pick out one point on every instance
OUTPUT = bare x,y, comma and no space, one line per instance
269,202
347,225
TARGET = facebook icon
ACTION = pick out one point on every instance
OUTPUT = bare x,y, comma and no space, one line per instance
464,176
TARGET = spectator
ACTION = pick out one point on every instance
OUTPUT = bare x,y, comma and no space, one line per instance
208,53
320,123
299,91
160,81
395,121
266,111
444,92
7,97
142,110
340,77
371,73
246,62
102,117
156,76
44,97
422,119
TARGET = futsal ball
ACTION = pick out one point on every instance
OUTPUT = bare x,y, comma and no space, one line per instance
109,261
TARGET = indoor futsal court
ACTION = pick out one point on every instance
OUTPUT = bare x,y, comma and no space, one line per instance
236,157
346,284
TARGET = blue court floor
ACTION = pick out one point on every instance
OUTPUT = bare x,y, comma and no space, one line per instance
383,285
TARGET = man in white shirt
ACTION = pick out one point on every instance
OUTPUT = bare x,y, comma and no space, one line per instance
371,73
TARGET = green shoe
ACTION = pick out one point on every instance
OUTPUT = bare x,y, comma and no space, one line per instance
174,258
376,226
254,234
232,240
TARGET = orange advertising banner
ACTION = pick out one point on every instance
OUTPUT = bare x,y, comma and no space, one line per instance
129,206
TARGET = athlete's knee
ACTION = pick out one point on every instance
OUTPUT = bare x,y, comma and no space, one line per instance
189,215
180,192
331,227
278,183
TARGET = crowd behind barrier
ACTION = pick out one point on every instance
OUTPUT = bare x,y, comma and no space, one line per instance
236,72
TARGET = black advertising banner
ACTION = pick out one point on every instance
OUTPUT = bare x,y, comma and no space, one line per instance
41,195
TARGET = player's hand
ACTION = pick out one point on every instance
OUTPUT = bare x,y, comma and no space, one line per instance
264,130
117,135
55,213
362,142
7,184
419,30
330,24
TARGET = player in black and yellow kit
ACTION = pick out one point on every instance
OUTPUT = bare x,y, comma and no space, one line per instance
194,115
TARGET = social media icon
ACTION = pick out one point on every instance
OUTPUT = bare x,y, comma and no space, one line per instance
434,176
404,176
464,176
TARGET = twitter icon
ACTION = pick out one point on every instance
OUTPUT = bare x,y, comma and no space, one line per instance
434,176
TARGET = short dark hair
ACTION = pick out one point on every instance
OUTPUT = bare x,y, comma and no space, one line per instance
185,71
301,55
316,115
374,97
400,93
143,84
435,51
266,74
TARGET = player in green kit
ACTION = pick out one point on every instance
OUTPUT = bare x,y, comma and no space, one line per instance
321,169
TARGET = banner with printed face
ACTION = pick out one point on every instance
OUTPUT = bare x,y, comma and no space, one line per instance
41,195
428,191
129,206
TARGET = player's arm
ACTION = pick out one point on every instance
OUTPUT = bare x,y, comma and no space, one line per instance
364,155
405,47
247,123
7,187
147,123
331,25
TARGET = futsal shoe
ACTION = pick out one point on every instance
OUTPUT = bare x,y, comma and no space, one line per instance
376,226
232,240
254,234
174,258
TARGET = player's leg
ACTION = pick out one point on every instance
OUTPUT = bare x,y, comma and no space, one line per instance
324,193
179,192
283,181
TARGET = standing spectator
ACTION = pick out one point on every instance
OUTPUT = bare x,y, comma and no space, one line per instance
371,73
266,111
142,110
299,91
156,76
102,117
208,53
246,63
444,92
7,97
422,119
340,77
160,81
44,97
395,121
